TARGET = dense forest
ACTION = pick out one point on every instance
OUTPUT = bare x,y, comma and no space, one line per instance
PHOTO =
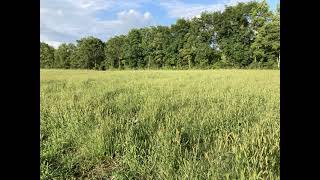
243,36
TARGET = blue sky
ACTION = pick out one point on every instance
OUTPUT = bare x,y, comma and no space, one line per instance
64,21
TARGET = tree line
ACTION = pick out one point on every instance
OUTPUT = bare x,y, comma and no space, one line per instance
243,36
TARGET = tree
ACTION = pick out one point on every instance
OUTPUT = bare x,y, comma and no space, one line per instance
74,59
205,55
147,37
133,50
244,35
159,45
266,47
114,52
260,15
46,56
187,53
63,55
200,45
235,33
179,31
90,53
277,18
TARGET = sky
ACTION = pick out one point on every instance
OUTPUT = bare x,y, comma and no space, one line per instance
65,21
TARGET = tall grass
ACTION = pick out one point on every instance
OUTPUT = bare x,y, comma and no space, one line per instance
213,124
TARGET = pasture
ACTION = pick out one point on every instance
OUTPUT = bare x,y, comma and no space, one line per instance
160,124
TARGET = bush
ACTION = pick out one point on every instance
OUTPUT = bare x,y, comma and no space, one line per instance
263,65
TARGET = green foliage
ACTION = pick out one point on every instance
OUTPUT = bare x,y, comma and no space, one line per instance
74,59
195,124
114,52
63,54
234,34
90,53
147,37
46,56
223,63
266,47
160,43
247,34
133,50
260,15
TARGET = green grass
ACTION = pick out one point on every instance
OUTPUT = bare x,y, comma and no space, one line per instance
197,124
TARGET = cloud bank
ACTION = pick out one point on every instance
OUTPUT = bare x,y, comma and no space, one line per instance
69,20
64,21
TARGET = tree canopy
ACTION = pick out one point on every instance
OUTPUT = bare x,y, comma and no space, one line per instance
246,35
47,59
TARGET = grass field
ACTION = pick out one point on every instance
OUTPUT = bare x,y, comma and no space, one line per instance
197,124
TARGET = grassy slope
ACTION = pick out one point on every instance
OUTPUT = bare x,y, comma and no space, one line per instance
160,124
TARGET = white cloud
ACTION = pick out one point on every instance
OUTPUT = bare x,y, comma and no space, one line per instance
147,15
55,44
69,20
125,21
179,9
